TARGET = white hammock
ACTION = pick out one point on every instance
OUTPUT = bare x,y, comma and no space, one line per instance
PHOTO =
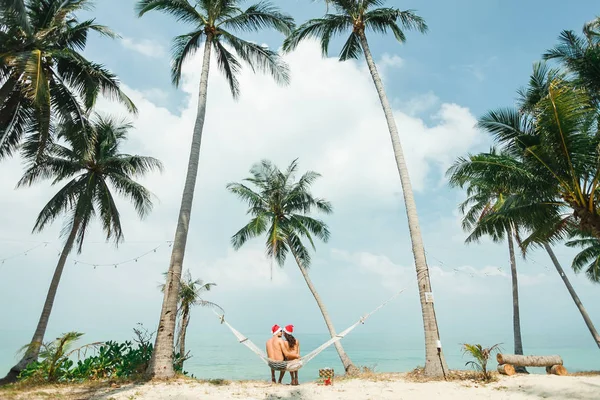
295,365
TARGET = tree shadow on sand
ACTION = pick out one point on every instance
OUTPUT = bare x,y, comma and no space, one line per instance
294,395
592,392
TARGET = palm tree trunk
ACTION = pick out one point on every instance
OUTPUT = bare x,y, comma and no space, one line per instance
38,337
346,362
435,363
584,314
161,364
515,295
185,320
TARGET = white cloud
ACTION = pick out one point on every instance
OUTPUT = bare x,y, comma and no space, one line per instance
329,117
146,47
391,61
247,269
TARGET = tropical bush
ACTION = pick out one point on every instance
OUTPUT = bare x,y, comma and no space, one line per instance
481,357
109,360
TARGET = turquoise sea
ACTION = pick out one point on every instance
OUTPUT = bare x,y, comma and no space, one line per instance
219,355
225,358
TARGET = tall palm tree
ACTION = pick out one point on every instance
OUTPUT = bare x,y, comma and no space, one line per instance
190,294
280,207
92,163
580,55
214,24
43,75
484,198
358,16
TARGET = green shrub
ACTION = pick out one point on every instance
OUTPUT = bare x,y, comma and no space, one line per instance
127,360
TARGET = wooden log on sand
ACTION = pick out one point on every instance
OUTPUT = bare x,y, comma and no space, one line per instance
506,369
556,370
528,361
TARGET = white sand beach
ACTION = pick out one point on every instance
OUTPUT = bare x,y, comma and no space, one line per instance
517,388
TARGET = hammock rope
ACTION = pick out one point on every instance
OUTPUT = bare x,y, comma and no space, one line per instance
295,365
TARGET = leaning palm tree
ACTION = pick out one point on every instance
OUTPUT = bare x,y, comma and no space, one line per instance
280,207
485,197
92,163
215,23
358,16
43,75
190,294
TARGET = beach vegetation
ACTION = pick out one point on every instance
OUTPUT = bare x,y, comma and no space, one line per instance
59,362
481,356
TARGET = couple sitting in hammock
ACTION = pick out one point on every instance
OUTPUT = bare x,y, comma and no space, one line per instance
282,348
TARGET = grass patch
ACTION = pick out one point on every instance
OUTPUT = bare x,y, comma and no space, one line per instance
585,373
215,382
418,375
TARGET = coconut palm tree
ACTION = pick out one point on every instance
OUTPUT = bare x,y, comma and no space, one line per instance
483,199
545,176
43,75
190,294
545,219
358,16
580,55
215,23
280,207
94,168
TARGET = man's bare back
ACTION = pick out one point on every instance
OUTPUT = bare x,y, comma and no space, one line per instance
274,350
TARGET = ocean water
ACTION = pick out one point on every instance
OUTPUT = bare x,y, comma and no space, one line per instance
221,356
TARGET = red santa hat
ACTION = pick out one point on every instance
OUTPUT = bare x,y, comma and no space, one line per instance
289,329
275,329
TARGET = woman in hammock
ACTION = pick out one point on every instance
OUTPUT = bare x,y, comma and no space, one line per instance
293,346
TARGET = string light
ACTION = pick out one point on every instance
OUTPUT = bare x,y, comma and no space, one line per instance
474,274
24,253
77,261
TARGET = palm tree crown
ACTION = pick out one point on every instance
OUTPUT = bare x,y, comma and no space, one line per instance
280,206
218,20
92,162
43,76
357,16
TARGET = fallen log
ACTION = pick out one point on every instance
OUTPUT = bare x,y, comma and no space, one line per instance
528,361
506,369
556,370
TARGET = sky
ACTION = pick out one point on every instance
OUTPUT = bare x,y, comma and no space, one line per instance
475,57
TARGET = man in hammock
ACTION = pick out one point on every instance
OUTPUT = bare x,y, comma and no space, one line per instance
277,351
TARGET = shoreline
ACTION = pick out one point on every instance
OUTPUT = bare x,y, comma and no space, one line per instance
374,386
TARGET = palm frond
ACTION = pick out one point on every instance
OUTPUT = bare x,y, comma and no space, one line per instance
182,10
259,57
322,29
263,15
229,66
184,46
